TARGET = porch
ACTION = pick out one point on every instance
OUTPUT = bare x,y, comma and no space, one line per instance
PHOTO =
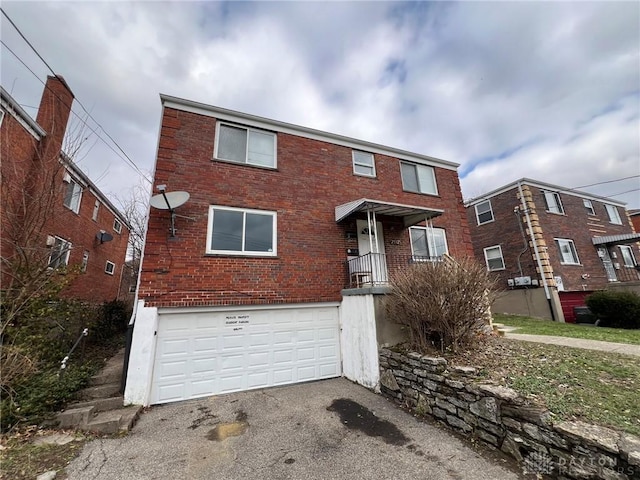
375,269
617,256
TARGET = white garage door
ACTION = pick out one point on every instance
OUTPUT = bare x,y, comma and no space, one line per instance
200,354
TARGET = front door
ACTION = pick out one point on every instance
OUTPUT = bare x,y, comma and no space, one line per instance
378,260
603,253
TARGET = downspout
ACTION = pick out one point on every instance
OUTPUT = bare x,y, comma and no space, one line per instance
535,250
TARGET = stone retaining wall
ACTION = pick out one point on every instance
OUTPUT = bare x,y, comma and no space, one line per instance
501,418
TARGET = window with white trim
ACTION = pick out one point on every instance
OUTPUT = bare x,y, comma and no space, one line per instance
1,116
418,178
628,258
363,163
73,195
245,145
484,212
96,209
109,267
614,215
554,204
568,252
117,226
85,261
59,256
428,242
589,206
493,258
238,231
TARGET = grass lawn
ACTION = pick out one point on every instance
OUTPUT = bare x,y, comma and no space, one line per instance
535,326
596,387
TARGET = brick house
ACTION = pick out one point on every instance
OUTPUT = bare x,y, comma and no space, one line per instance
547,241
287,239
52,213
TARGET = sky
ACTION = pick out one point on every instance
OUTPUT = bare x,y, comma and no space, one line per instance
543,90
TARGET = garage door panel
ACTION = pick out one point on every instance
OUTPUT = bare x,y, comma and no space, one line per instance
221,352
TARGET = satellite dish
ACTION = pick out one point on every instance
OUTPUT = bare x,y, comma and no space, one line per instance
169,200
104,236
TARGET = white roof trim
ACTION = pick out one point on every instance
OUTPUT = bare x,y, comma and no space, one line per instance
14,109
275,125
410,214
543,186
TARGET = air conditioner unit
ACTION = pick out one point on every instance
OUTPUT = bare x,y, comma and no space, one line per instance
66,177
51,241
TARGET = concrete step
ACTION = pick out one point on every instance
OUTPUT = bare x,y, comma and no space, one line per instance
101,404
101,391
73,417
113,421
111,375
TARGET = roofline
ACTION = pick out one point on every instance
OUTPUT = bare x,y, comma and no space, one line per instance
253,120
68,162
18,111
544,186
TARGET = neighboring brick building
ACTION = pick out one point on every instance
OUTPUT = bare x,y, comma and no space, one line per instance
52,214
282,224
634,215
567,242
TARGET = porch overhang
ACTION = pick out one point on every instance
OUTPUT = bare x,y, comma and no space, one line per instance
410,214
622,239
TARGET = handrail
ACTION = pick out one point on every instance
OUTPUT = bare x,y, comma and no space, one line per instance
63,364
374,269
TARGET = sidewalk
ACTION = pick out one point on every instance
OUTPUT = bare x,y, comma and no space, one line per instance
624,348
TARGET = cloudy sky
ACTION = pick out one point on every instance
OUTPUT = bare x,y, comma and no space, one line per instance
549,91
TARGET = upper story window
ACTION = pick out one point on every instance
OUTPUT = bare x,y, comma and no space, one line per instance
627,256
59,256
96,209
428,242
364,163
493,258
568,252
484,213
85,261
614,216
245,145
554,205
418,178
237,231
109,267
72,195
1,116
589,206
117,226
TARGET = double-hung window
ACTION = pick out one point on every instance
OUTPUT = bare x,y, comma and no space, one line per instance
245,145
109,268
484,213
59,256
73,195
428,242
96,209
418,178
236,231
493,257
614,216
627,256
554,204
117,226
589,206
363,164
568,252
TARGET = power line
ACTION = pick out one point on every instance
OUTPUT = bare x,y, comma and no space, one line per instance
608,181
622,193
25,39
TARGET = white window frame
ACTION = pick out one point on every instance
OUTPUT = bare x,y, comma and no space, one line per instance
96,209
2,114
486,258
628,258
572,247
62,259
417,166
216,156
107,270
245,211
362,164
589,206
481,213
117,225
553,203
85,261
74,207
614,214
429,241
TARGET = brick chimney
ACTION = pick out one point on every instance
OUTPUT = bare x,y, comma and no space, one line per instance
53,114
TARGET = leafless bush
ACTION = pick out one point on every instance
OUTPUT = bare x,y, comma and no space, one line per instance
443,304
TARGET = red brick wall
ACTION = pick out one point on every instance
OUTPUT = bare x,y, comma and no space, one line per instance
312,178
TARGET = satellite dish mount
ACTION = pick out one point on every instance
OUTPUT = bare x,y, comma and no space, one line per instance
169,201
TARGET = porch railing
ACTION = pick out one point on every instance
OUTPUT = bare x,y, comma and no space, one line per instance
627,274
375,269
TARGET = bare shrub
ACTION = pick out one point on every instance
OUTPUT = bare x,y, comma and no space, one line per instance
443,304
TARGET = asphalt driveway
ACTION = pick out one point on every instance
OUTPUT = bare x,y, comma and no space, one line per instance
323,430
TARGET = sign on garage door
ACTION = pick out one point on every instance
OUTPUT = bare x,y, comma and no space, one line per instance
208,353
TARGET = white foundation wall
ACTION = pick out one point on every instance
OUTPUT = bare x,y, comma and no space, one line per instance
143,346
358,340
